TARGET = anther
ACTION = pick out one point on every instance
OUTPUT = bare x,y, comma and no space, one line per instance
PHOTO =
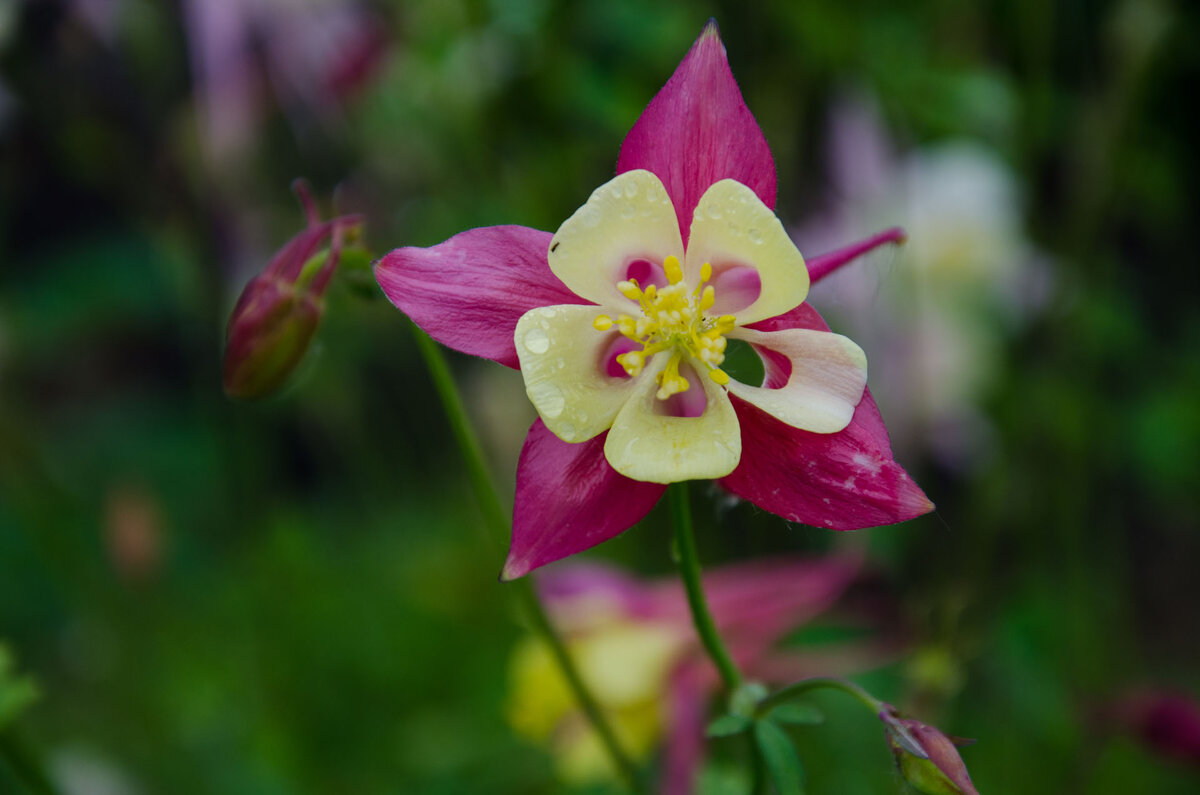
674,270
602,323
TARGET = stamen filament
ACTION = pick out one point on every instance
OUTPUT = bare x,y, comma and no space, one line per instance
672,318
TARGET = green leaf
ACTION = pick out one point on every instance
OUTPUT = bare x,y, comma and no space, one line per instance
728,725
800,714
779,754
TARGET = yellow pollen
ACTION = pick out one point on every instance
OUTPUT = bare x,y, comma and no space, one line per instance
673,318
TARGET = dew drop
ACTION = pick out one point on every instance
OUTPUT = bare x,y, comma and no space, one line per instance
628,212
714,211
631,189
755,237
547,399
567,430
734,229
582,416
536,341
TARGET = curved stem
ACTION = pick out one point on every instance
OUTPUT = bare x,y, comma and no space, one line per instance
804,685
689,570
25,764
496,518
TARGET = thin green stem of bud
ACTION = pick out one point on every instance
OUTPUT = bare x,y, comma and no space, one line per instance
828,682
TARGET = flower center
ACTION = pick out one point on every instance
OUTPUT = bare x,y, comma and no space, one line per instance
673,319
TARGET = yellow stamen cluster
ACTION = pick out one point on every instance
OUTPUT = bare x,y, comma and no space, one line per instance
672,319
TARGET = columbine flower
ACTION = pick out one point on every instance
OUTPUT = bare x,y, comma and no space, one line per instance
279,310
620,322
636,648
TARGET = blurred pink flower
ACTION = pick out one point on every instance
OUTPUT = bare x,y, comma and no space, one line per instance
808,445
310,53
637,650
1167,722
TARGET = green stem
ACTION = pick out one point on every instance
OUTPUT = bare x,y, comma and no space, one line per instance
25,764
689,570
496,517
829,682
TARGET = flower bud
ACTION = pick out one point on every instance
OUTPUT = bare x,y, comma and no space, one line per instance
278,312
927,759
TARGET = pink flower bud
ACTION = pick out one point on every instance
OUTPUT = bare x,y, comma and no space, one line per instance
278,312
927,759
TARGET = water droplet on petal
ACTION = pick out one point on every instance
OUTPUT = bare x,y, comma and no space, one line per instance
536,341
714,211
628,212
631,189
755,237
547,399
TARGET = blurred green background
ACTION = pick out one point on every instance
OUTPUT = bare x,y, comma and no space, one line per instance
296,595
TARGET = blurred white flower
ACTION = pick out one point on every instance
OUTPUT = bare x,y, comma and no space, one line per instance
935,317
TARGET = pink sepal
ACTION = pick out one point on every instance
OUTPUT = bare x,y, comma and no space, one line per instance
697,131
843,481
469,292
569,499
821,266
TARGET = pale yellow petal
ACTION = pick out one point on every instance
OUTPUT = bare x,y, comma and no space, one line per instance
732,228
560,354
646,445
627,219
829,373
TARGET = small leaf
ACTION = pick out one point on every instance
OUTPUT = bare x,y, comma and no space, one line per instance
783,764
728,725
800,714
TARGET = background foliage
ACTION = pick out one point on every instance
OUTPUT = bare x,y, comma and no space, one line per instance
295,596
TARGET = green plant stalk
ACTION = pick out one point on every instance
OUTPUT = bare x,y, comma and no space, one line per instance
500,529
816,683
25,764
689,570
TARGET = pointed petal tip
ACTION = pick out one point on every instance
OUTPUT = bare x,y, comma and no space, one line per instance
711,30
514,569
